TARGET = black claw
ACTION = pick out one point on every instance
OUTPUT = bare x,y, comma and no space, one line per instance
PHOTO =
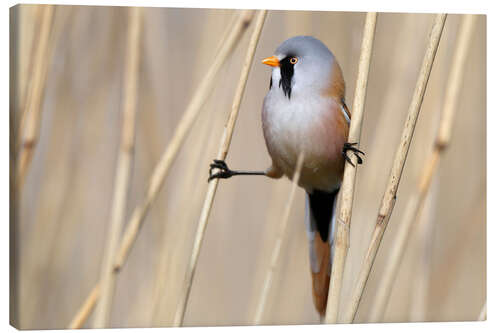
218,164
223,173
347,158
356,151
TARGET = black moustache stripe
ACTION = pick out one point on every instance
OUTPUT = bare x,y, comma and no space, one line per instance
286,69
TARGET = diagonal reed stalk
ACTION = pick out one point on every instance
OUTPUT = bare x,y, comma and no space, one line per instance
166,276
389,198
29,127
163,166
442,140
221,155
166,284
277,246
343,217
29,59
86,308
124,165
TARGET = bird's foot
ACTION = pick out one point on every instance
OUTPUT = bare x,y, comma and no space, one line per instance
356,151
224,171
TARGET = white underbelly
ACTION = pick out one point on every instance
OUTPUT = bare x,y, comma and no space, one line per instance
294,127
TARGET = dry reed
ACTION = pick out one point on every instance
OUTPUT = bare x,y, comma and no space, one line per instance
389,198
296,23
221,155
24,90
124,165
68,191
277,246
442,140
163,166
166,275
343,217
86,309
183,216
29,130
161,169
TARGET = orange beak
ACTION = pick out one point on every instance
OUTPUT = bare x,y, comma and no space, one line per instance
271,61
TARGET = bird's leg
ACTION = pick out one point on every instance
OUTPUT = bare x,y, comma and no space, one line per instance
225,172
356,151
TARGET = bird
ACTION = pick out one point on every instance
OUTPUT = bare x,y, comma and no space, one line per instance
304,112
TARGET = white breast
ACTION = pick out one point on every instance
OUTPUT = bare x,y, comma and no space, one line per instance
290,126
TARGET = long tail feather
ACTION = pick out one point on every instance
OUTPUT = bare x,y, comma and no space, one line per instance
321,279
320,216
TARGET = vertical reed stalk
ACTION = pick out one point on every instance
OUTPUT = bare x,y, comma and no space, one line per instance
389,198
124,165
212,187
277,247
30,122
165,285
184,215
28,77
442,140
163,166
343,219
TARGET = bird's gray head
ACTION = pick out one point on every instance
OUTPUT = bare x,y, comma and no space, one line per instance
301,63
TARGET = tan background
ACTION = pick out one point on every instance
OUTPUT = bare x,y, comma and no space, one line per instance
63,212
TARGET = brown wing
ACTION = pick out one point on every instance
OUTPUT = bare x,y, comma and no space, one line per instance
337,86
321,279
336,90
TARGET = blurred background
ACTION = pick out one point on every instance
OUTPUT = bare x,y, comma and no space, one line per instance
61,214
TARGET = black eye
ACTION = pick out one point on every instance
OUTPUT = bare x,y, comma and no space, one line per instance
294,60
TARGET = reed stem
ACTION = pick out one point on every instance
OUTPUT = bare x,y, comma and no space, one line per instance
163,166
343,217
441,142
31,117
221,155
86,309
277,246
124,165
389,198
